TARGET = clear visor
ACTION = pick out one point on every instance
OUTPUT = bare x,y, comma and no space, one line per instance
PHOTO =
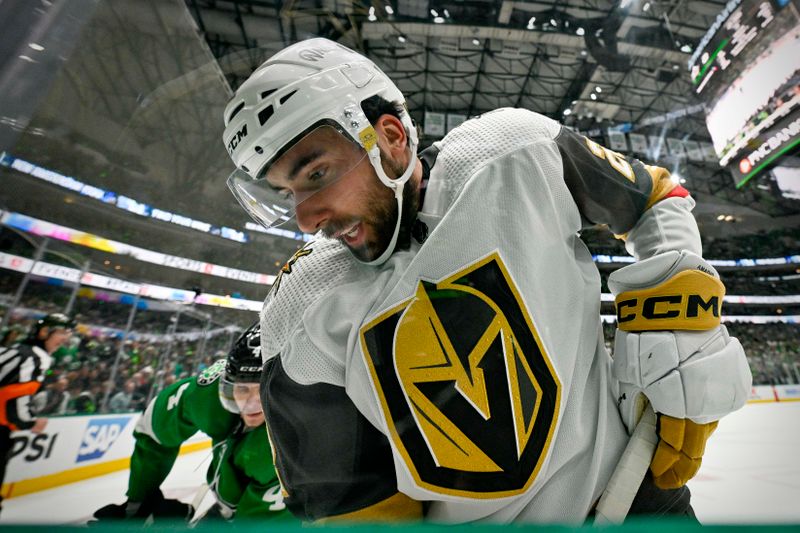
316,161
239,397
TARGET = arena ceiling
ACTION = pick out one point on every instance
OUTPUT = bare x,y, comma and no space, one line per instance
128,95
591,64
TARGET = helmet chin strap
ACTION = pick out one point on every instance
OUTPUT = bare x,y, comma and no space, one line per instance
397,185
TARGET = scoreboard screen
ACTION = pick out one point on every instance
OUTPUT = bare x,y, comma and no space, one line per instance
747,71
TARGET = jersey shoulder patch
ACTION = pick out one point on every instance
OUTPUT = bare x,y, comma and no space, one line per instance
211,374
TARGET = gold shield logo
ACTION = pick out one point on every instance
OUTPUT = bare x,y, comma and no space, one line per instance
470,396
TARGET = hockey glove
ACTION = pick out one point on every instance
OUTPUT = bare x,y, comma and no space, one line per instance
116,511
155,506
671,348
681,446
172,509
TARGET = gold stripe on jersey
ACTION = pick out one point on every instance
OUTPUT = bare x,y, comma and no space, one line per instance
274,452
396,508
662,184
689,300
470,397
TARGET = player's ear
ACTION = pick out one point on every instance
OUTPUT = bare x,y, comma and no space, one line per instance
391,134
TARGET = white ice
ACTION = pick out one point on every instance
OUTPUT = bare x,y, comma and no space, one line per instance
74,503
751,469
750,474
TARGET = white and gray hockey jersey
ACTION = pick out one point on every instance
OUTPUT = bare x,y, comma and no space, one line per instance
469,371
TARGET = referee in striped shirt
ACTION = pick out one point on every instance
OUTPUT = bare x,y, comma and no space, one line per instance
22,369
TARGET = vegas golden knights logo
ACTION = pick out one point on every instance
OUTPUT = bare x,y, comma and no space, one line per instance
470,395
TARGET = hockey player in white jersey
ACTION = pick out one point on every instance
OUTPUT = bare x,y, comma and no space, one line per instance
440,353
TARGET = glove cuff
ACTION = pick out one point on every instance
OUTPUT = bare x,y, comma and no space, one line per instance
672,291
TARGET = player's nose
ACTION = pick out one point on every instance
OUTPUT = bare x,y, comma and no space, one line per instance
311,213
253,402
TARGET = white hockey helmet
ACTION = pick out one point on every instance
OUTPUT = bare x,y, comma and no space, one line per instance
313,83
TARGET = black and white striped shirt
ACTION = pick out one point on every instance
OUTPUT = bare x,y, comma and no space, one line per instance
22,369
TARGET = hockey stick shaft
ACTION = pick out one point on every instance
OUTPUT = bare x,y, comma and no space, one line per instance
199,513
616,500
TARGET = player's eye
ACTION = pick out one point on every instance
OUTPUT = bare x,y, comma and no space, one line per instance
317,174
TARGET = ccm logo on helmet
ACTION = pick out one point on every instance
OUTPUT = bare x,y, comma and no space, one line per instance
236,139
666,306
249,369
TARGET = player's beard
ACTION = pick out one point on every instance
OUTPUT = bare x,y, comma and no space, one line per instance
381,215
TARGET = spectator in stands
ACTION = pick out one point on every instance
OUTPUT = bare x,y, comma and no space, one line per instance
81,400
54,399
83,379
145,381
12,335
122,400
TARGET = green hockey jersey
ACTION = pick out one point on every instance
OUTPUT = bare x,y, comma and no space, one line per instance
241,472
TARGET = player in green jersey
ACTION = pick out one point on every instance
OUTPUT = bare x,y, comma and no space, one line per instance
223,402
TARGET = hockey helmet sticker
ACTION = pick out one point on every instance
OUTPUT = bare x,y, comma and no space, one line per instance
211,374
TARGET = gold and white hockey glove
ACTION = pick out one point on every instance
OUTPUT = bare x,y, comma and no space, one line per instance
671,348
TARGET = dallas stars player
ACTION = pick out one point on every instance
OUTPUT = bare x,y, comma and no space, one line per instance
223,402
446,346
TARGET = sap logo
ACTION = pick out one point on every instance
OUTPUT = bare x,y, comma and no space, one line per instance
313,54
38,446
667,306
236,139
99,436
